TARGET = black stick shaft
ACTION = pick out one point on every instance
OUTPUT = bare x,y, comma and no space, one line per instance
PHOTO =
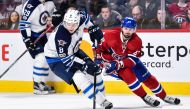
94,99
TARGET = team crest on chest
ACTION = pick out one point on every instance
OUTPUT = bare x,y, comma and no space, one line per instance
43,18
62,42
116,55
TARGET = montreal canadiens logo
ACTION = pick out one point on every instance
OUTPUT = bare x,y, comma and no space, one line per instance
117,57
43,18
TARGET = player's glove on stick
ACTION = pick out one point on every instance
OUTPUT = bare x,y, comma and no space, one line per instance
99,62
29,44
90,67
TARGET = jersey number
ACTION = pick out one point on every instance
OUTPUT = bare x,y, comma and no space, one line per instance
26,13
61,50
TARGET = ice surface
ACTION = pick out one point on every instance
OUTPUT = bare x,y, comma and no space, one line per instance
78,101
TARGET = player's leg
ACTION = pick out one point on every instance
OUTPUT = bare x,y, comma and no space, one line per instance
69,74
153,84
40,72
129,77
84,83
99,83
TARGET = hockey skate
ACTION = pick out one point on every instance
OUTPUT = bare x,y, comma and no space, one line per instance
107,105
42,89
171,100
151,101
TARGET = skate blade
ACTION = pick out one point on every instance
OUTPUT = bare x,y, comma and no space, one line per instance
51,92
38,92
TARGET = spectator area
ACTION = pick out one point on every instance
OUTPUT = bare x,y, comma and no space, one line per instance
109,13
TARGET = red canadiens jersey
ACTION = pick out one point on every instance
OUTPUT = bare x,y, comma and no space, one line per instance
113,48
178,13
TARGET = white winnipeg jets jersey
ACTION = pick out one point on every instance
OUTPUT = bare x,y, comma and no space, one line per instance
34,16
62,44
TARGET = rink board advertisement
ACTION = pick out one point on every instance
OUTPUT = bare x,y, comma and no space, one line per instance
165,54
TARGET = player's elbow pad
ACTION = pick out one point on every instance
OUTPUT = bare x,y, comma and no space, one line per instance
95,33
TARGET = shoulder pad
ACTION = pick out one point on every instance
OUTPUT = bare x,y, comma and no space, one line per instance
29,8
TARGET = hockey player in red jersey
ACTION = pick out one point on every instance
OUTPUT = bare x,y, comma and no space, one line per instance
119,53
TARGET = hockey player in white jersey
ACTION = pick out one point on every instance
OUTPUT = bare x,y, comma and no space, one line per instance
32,25
69,62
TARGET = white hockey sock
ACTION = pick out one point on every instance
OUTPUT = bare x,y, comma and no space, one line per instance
83,82
40,68
99,83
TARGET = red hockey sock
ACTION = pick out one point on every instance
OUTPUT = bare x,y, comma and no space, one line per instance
153,84
139,91
130,78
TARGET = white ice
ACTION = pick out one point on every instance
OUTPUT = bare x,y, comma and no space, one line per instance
78,101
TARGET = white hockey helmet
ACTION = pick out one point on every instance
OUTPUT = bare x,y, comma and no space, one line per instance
71,20
72,16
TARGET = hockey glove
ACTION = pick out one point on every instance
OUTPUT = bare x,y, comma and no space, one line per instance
95,33
112,66
57,18
90,67
99,62
29,44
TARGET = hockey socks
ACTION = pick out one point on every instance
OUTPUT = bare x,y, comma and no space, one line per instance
137,88
99,83
155,87
130,78
40,69
84,83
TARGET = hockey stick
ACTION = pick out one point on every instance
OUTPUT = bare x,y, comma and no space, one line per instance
75,87
42,35
94,99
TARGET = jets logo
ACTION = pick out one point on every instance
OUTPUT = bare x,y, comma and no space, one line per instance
43,18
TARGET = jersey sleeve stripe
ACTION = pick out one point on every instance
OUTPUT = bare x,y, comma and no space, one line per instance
25,22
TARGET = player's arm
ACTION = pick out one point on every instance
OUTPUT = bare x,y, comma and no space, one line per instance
57,18
51,7
129,62
94,31
102,54
25,26
102,49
